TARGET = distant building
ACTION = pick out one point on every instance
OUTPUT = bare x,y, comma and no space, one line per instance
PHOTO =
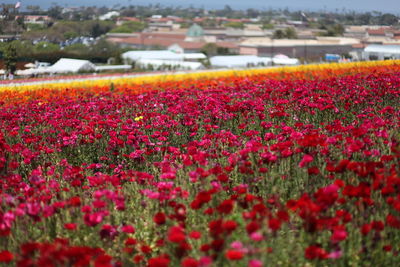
109,15
133,56
69,65
195,33
123,20
246,61
355,31
381,52
297,48
239,61
157,64
163,40
36,19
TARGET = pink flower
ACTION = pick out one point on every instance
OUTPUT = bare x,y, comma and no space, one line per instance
255,263
256,236
306,160
335,255
205,261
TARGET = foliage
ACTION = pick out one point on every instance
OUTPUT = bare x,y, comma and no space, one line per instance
212,49
333,30
35,27
78,49
268,26
234,24
46,47
63,30
279,34
99,52
129,27
10,58
288,33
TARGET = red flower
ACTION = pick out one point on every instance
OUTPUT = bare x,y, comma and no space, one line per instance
315,252
377,226
387,248
229,226
138,258
274,224
225,207
75,201
189,262
283,215
129,229
161,261
6,256
176,234
339,235
146,249
305,161
234,255
70,226
130,241
103,261
252,227
160,218
195,235
366,228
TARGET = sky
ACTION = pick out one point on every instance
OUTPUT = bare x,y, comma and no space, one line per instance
392,6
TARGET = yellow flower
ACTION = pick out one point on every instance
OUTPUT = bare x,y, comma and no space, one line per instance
139,118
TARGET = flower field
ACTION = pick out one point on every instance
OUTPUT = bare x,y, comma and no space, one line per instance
275,167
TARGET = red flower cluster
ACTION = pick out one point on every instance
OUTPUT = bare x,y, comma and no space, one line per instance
249,170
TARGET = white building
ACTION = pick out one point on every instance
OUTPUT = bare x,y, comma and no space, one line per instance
284,60
157,64
66,65
109,15
132,56
239,61
381,52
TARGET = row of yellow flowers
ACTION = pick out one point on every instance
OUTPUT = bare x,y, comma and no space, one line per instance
23,92
144,79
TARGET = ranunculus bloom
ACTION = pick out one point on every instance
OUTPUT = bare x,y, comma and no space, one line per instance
338,235
255,263
160,218
176,234
315,252
70,226
129,229
306,160
6,256
234,255
189,262
158,262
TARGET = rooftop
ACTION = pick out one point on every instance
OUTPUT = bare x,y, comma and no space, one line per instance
390,49
320,41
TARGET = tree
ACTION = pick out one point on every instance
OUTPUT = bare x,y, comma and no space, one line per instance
290,33
210,49
334,30
33,9
388,19
10,58
129,27
46,47
279,34
267,26
55,12
235,25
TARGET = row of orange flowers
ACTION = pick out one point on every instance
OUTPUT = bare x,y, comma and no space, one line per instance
14,94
